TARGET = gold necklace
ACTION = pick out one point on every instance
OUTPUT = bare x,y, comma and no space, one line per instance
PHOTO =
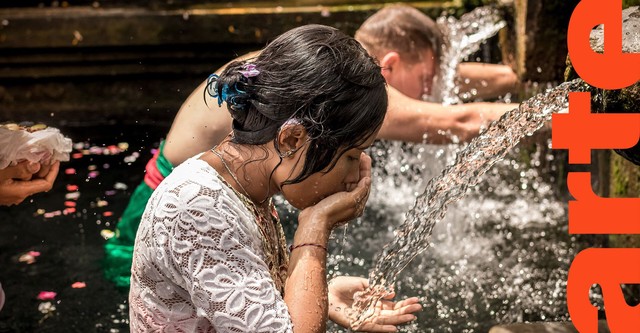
224,163
272,235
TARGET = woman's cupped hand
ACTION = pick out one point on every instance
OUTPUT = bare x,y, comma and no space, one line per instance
343,206
387,314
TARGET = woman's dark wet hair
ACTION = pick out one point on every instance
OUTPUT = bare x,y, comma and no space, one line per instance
316,75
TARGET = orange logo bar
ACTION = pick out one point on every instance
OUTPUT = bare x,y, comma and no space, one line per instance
580,131
611,69
608,268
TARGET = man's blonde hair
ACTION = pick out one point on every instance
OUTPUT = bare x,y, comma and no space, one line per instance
402,29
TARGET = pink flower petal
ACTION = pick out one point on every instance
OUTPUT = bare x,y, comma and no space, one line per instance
78,285
47,295
27,258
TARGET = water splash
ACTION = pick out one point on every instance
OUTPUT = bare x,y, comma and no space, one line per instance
412,237
463,38
401,168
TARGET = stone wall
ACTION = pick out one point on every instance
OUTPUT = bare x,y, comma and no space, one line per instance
535,43
136,61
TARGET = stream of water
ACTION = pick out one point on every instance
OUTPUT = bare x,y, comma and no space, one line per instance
503,255
413,236
463,37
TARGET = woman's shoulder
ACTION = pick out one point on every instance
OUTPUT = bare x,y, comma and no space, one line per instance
197,178
194,170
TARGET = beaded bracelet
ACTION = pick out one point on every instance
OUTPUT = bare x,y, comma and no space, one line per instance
292,247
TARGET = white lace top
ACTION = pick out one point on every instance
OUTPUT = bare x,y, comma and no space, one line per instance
199,264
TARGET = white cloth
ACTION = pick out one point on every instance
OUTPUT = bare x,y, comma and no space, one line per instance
198,263
19,145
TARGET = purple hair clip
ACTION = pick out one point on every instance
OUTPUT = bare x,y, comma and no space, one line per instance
249,70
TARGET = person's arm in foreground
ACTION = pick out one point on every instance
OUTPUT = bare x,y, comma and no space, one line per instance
412,120
24,179
488,80
306,287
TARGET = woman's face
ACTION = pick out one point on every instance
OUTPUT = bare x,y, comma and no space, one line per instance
320,185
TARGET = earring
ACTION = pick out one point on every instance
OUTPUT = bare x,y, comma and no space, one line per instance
287,153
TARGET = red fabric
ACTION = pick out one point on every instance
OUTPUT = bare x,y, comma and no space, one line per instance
153,177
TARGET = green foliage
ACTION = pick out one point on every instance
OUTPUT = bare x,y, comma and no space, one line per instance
625,178
629,3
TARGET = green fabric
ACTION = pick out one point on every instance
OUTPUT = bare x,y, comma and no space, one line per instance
119,249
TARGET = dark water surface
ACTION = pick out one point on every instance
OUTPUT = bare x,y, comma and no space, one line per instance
70,245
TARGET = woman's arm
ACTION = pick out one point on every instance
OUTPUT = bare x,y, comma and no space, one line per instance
306,287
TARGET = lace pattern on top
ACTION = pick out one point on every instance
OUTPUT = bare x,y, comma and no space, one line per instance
199,264
274,244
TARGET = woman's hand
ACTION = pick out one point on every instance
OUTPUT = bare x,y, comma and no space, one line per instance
388,314
346,205
20,183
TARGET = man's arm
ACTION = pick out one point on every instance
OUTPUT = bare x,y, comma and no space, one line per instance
199,126
417,121
489,80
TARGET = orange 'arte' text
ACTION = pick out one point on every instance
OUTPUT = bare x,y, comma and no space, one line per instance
580,131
